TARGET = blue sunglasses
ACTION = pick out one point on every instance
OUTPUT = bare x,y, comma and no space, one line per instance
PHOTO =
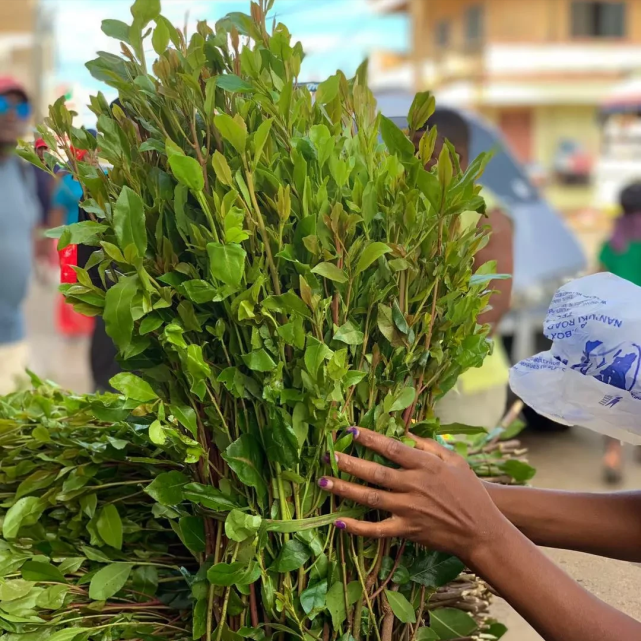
22,109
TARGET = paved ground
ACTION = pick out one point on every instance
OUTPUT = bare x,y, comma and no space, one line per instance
570,461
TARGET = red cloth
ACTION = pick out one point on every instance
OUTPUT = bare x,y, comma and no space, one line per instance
68,258
69,321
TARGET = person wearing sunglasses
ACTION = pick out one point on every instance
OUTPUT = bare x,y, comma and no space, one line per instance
20,212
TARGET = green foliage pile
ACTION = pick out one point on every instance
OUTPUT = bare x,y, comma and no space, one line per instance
274,267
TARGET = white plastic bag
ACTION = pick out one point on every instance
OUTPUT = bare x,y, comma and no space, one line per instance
591,375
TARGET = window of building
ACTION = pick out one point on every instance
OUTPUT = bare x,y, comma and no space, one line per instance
598,19
442,34
474,25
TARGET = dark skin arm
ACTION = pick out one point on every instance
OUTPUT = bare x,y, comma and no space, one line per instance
604,524
436,500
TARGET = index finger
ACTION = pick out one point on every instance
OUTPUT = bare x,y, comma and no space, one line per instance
430,446
395,451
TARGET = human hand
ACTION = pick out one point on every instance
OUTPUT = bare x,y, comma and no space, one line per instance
435,499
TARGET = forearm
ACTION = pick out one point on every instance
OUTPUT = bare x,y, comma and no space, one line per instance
555,605
604,524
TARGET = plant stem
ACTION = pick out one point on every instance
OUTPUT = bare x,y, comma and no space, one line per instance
365,594
263,233
202,201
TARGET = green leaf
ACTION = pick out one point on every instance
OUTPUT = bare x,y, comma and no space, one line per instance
116,29
192,529
281,443
289,303
354,592
395,140
67,634
233,84
109,580
227,263
145,11
25,511
331,271
186,417
349,334
315,354
426,634
259,361
484,279
335,601
39,480
157,433
208,497
401,607
226,574
119,321
53,597
313,598
187,171
222,169
232,130
41,571
160,38
245,458
85,232
240,526
133,387
450,623
167,488
129,221
16,589
199,291
521,472
421,109
403,399
293,555
260,138
458,428
109,526
328,90
435,569
372,252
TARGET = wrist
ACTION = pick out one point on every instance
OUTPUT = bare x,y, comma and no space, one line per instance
489,544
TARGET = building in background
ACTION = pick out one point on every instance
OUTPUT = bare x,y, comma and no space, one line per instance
538,69
27,49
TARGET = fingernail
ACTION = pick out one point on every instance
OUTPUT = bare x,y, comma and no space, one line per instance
326,459
353,431
341,525
324,483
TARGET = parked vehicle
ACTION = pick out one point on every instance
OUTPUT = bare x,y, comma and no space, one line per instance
572,163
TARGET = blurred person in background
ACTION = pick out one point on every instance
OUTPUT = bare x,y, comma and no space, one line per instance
621,256
45,185
480,395
20,212
66,211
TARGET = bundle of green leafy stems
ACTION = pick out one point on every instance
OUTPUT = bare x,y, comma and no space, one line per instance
275,267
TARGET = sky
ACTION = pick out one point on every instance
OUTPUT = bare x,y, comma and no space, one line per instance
336,34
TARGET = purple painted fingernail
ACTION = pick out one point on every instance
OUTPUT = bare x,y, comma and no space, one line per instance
341,525
325,458
353,431
324,483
